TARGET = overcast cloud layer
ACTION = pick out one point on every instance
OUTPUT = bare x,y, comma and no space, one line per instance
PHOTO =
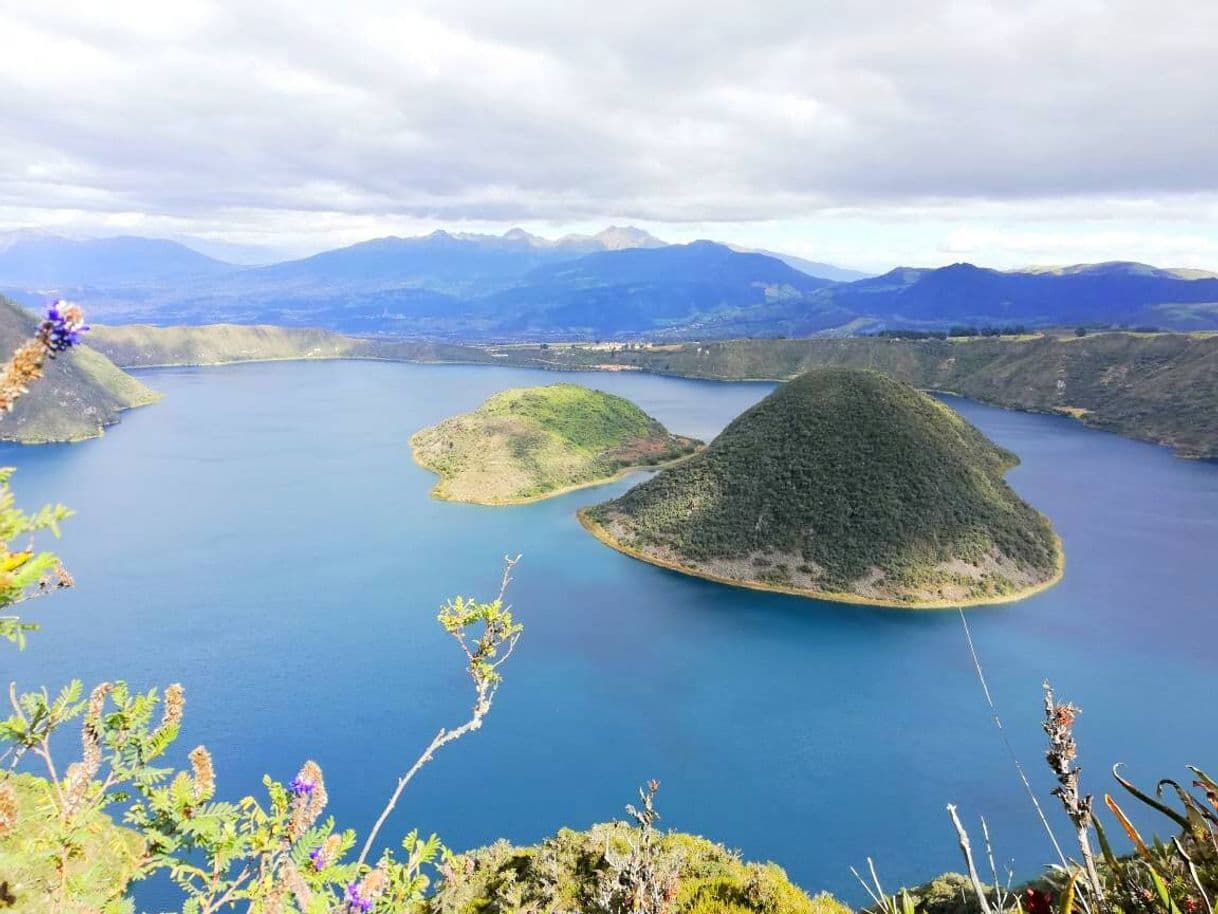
864,132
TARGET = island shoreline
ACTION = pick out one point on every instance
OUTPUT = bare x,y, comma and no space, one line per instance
605,537
565,490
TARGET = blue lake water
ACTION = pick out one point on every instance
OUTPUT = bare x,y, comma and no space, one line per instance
262,536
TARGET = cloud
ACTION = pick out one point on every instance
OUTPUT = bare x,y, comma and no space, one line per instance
368,113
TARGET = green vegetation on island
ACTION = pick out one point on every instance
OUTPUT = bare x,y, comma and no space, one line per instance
847,485
533,442
81,393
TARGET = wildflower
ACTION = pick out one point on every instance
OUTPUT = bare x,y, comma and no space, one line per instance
361,896
175,701
90,731
301,786
59,332
1037,902
63,578
78,781
204,773
1063,750
22,369
355,899
62,328
327,853
374,883
295,882
8,809
309,799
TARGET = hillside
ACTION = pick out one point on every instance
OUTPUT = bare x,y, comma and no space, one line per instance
142,346
843,484
533,442
1160,387
81,393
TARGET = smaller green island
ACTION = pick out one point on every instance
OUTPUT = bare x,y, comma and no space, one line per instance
529,443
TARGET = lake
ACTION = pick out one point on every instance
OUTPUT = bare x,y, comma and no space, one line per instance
263,536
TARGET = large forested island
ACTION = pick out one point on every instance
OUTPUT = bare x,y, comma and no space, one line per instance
843,484
534,442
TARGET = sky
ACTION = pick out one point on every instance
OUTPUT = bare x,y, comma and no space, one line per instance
862,133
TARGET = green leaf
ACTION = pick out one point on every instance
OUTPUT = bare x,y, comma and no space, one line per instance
1161,888
1148,800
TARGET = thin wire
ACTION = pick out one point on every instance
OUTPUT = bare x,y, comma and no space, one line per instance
968,635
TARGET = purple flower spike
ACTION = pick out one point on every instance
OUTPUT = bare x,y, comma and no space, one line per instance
62,328
356,901
302,787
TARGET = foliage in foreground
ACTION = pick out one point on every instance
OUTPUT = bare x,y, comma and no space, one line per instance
619,867
278,854
1177,874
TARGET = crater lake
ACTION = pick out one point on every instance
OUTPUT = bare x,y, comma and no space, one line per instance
262,536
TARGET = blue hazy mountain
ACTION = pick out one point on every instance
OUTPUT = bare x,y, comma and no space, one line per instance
1104,293
697,287
43,260
621,282
443,261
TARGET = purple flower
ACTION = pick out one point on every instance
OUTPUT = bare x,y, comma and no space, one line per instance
302,787
318,857
62,328
356,901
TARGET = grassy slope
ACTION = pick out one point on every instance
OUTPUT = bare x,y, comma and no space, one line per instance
533,442
81,392
564,872
834,477
142,346
1156,387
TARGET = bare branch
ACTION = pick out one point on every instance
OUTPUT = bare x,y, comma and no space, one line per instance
967,849
498,633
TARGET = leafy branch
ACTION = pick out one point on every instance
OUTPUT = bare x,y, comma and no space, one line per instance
487,634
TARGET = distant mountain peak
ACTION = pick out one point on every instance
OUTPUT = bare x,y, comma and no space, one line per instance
519,234
616,237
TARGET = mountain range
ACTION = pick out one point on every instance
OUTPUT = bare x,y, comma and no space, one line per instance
622,283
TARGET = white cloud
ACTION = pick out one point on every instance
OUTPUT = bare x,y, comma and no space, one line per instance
320,121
